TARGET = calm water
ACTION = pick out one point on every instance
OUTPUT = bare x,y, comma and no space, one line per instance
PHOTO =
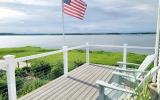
51,41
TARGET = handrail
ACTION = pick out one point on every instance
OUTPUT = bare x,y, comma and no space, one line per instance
77,47
111,46
117,46
139,47
37,56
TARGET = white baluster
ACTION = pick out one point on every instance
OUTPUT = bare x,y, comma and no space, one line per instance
65,60
87,53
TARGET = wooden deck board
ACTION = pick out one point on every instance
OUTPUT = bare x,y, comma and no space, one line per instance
79,85
51,85
56,86
88,89
80,89
94,91
73,84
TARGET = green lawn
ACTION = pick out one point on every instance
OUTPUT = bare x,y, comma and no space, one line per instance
21,51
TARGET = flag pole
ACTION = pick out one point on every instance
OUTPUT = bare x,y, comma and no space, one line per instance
63,34
156,62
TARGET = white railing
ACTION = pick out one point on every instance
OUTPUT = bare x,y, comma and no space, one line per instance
10,62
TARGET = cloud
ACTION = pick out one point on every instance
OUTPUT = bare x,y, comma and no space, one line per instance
7,14
33,2
44,16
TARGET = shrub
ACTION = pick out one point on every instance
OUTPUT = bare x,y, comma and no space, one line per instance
27,69
57,70
40,69
3,85
4,96
77,63
81,51
20,72
23,72
3,90
2,75
19,82
30,86
1,96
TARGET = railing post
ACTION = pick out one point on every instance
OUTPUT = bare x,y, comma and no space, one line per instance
87,53
101,93
65,60
11,80
124,55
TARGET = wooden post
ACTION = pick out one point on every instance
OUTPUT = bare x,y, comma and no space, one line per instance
18,64
65,60
27,63
11,81
124,55
101,93
87,53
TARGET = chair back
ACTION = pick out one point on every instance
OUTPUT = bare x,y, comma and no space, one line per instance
145,64
149,75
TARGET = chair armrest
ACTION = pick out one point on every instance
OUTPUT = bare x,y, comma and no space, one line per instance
102,83
123,74
126,75
123,63
130,70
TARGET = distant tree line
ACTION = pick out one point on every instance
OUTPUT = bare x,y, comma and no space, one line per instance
77,33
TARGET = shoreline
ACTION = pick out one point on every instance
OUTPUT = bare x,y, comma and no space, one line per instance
57,34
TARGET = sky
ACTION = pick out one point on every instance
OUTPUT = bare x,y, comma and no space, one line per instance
102,16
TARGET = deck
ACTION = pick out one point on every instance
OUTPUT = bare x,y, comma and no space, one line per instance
79,85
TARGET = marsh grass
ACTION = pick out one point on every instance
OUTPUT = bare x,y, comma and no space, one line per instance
143,93
98,57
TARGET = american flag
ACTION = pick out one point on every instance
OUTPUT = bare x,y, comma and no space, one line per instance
75,8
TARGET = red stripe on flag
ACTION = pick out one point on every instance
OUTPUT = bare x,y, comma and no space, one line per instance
81,2
75,3
78,8
66,9
74,9
73,15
